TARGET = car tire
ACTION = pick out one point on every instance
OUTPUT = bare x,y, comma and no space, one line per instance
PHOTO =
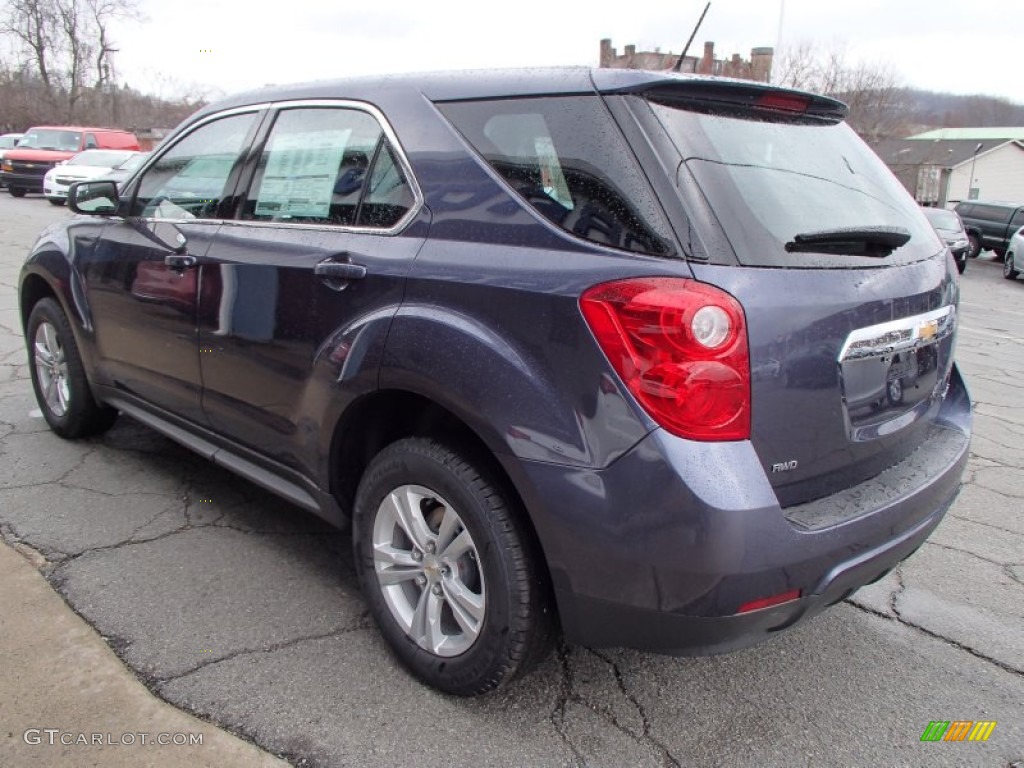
975,245
58,376
961,264
1009,269
448,568
16,192
56,200
1000,254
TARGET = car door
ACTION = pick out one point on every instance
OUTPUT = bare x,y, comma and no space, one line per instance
142,278
298,291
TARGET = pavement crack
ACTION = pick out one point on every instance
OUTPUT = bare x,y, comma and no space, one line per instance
897,593
361,625
966,552
987,525
565,695
952,643
668,758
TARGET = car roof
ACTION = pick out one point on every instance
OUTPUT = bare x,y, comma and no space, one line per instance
74,128
475,84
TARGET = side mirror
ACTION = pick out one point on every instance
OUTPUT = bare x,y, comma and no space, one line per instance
98,198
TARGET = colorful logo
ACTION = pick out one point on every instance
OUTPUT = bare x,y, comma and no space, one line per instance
958,730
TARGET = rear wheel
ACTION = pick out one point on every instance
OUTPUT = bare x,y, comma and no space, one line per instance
975,243
58,376
16,192
448,570
1009,268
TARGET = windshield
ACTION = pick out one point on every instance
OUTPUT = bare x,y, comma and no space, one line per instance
51,138
6,142
943,219
769,181
134,161
101,158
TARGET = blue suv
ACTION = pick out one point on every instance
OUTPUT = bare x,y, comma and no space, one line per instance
506,322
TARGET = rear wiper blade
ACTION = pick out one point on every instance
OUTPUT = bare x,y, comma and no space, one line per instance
853,241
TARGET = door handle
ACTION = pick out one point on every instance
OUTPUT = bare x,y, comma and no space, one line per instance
179,262
339,270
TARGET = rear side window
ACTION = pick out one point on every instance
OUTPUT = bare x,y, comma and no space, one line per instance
991,212
567,159
328,166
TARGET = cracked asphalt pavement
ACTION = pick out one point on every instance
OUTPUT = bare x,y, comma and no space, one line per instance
237,607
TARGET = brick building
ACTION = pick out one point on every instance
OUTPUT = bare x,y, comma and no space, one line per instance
758,67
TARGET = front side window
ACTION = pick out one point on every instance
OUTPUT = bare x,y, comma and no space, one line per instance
566,158
328,166
188,181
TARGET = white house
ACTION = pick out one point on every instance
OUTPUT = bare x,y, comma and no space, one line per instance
946,166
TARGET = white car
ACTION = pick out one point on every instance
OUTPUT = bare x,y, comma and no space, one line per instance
90,164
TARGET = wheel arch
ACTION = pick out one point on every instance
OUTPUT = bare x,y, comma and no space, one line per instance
33,288
383,417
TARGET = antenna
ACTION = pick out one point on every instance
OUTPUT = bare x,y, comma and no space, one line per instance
679,64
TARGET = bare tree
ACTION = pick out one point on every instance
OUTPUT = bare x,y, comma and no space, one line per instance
33,24
877,99
67,44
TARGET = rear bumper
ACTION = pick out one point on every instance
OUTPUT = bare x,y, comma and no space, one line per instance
660,550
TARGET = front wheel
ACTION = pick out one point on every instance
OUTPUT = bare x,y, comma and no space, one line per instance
16,192
58,376
56,200
448,569
1009,269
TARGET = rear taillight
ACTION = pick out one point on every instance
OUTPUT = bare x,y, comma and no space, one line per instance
681,348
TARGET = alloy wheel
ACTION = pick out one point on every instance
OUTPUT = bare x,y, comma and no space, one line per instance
428,569
52,369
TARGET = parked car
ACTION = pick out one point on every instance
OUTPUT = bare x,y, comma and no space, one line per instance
515,349
121,172
41,148
990,224
1014,252
949,227
90,164
7,141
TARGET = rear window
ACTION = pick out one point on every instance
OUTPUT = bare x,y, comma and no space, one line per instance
566,158
769,180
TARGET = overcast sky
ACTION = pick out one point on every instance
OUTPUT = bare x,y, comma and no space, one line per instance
209,47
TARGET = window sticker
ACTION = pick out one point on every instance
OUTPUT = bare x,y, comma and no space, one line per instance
551,176
300,174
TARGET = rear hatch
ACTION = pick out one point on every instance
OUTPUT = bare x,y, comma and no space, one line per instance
850,297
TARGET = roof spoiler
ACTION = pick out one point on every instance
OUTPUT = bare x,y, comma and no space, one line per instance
732,96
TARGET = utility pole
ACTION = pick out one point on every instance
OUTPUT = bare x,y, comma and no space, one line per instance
778,40
970,181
